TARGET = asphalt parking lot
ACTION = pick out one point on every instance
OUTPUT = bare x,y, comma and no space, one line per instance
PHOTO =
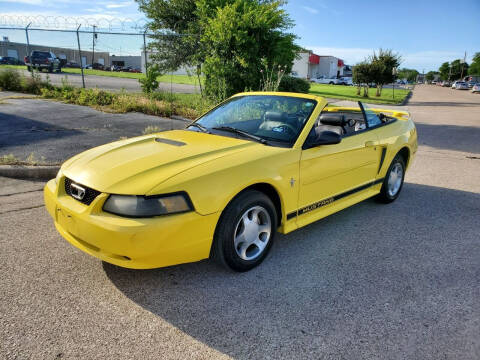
55,131
398,281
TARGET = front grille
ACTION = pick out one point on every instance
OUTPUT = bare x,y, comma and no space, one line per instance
90,194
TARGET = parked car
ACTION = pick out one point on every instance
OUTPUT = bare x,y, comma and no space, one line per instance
471,83
227,183
43,60
8,60
325,80
434,82
461,85
95,66
72,64
295,74
446,83
345,81
454,84
476,88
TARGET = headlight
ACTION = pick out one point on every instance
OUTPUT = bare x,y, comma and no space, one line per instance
147,206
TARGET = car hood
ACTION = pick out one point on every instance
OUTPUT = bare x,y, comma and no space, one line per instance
136,165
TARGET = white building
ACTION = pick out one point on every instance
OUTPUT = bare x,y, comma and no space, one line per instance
310,65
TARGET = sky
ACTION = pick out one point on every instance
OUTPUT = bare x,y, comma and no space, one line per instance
425,33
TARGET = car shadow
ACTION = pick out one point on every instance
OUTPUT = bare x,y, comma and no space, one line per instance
360,280
449,137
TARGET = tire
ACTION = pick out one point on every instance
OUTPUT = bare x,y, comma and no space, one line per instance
29,68
390,192
254,238
59,70
331,83
50,69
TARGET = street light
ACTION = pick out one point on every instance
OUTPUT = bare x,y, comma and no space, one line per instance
394,73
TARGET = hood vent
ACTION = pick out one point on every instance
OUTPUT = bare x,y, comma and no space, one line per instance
170,142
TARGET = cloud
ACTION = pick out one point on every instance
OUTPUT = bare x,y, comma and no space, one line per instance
118,5
310,9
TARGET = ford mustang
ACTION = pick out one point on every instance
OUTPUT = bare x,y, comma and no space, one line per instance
257,164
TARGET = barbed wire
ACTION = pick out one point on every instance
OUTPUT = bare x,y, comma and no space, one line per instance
72,23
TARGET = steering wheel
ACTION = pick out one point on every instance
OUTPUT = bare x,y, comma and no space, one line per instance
289,128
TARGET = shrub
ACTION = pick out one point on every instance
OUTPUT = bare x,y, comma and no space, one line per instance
10,80
293,84
149,83
34,84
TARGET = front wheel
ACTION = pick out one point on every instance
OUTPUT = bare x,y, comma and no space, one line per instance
245,231
393,182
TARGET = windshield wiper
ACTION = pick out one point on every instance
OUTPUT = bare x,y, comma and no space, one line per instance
241,132
201,127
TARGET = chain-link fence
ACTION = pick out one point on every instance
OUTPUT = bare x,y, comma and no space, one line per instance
105,53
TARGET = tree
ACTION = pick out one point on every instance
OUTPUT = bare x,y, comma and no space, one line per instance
409,74
242,38
444,71
226,40
361,77
458,69
431,75
474,68
382,66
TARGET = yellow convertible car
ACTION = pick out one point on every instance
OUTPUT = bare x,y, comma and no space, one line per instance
256,164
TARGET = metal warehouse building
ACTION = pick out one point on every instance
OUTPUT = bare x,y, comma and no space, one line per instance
309,65
19,51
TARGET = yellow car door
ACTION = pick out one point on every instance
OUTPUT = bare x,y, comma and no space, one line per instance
335,174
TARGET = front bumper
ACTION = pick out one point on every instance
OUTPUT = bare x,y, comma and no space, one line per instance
132,243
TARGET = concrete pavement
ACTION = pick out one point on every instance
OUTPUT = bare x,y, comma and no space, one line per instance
398,281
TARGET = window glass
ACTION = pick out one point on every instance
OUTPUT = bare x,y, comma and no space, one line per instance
277,118
370,116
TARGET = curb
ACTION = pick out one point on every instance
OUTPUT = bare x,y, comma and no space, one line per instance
407,99
29,172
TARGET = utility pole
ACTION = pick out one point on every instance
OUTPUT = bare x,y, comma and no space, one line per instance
80,56
93,45
463,64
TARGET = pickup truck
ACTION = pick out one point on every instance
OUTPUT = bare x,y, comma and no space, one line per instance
43,60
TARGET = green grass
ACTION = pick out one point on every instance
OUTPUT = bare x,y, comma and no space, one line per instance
350,93
176,79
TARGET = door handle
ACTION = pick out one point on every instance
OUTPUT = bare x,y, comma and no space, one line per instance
371,143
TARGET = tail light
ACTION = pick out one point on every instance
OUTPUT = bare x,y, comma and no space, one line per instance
25,59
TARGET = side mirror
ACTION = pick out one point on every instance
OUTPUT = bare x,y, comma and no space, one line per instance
323,138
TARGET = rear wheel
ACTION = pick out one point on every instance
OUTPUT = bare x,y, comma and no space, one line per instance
393,182
245,231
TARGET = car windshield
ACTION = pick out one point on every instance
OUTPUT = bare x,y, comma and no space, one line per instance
266,117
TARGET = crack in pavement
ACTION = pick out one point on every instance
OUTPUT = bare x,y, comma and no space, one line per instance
22,192
21,209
